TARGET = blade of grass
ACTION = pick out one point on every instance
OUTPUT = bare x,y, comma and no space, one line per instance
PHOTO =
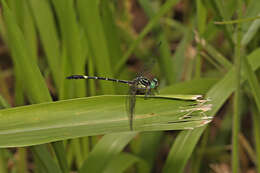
3,103
247,147
150,141
3,158
61,156
122,161
21,57
25,22
179,151
221,11
209,59
46,164
108,147
70,33
45,24
3,161
216,55
187,140
252,10
237,21
256,130
32,77
201,24
22,160
179,60
149,149
97,43
174,24
236,115
255,89
251,32
165,60
111,31
163,10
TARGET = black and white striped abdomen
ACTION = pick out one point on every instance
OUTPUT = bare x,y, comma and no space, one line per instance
98,78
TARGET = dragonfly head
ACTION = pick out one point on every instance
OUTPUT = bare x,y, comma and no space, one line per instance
154,83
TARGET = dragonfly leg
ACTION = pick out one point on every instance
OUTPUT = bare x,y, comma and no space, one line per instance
156,90
147,93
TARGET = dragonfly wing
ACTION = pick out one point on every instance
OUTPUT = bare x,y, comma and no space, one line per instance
130,104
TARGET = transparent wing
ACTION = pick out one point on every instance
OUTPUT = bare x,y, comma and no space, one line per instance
130,104
146,69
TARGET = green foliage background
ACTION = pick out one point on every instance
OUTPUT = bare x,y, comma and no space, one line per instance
48,40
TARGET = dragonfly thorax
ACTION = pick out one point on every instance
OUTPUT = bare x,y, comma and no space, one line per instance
144,83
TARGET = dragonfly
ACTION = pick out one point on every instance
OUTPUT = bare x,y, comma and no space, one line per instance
139,85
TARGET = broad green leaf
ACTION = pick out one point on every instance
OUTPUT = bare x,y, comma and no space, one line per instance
47,122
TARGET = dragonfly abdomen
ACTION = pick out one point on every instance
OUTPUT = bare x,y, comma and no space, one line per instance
98,78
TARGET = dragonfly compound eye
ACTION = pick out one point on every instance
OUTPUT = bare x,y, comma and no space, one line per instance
154,83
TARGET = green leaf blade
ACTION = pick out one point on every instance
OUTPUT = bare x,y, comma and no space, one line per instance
47,122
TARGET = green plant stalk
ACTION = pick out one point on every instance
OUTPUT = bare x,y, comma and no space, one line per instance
201,26
255,88
237,21
198,63
256,129
236,116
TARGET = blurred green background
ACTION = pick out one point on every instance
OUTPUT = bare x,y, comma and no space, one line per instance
200,47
